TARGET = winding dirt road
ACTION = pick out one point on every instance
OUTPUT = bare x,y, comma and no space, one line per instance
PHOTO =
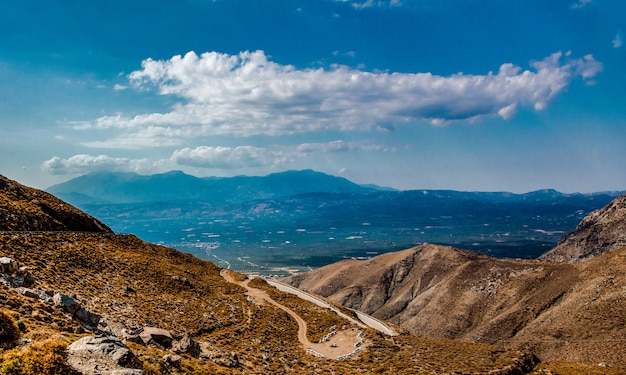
341,344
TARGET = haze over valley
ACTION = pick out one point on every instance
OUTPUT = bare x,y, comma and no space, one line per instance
298,220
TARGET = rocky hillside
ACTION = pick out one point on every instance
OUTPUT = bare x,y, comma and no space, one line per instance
601,231
572,312
74,301
26,209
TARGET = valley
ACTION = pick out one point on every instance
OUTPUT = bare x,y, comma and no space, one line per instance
296,221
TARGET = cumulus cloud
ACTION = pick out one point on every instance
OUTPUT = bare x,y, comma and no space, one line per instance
210,157
373,3
229,157
81,164
581,4
617,41
222,157
337,146
247,94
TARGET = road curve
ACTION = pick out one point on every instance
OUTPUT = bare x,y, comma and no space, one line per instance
347,343
364,319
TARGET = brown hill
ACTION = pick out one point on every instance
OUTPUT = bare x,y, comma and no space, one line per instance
562,311
167,312
26,209
601,231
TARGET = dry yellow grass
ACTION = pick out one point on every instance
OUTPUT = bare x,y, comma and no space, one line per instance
46,357
133,282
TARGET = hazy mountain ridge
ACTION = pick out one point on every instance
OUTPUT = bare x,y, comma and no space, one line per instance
309,219
561,310
115,188
129,187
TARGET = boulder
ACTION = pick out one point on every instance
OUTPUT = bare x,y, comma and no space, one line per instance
27,277
187,345
66,303
8,266
102,355
88,318
159,337
35,293
132,334
17,281
172,359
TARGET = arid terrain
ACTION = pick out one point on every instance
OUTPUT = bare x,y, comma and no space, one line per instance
77,298
561,311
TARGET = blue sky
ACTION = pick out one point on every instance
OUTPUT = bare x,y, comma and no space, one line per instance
490,95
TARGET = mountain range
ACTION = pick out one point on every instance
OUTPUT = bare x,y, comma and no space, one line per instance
117,187
77,298
302,219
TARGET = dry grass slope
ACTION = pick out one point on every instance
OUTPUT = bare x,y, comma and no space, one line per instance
133,283
26,209
561,312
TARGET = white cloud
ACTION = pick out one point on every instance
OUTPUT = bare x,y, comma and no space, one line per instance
337,146
222,157
148,137
508,112
581,4
372,3
247,94
617,41
229,157
81,164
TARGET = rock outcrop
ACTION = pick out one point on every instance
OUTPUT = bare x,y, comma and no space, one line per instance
103,355
187,345
157,337
601,231
14,276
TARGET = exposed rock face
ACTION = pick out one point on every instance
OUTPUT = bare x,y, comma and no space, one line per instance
12,275
187,345
66,303
27,209
8,265
102,355
601,231
159,337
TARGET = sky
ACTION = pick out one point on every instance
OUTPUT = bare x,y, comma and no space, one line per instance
473,95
